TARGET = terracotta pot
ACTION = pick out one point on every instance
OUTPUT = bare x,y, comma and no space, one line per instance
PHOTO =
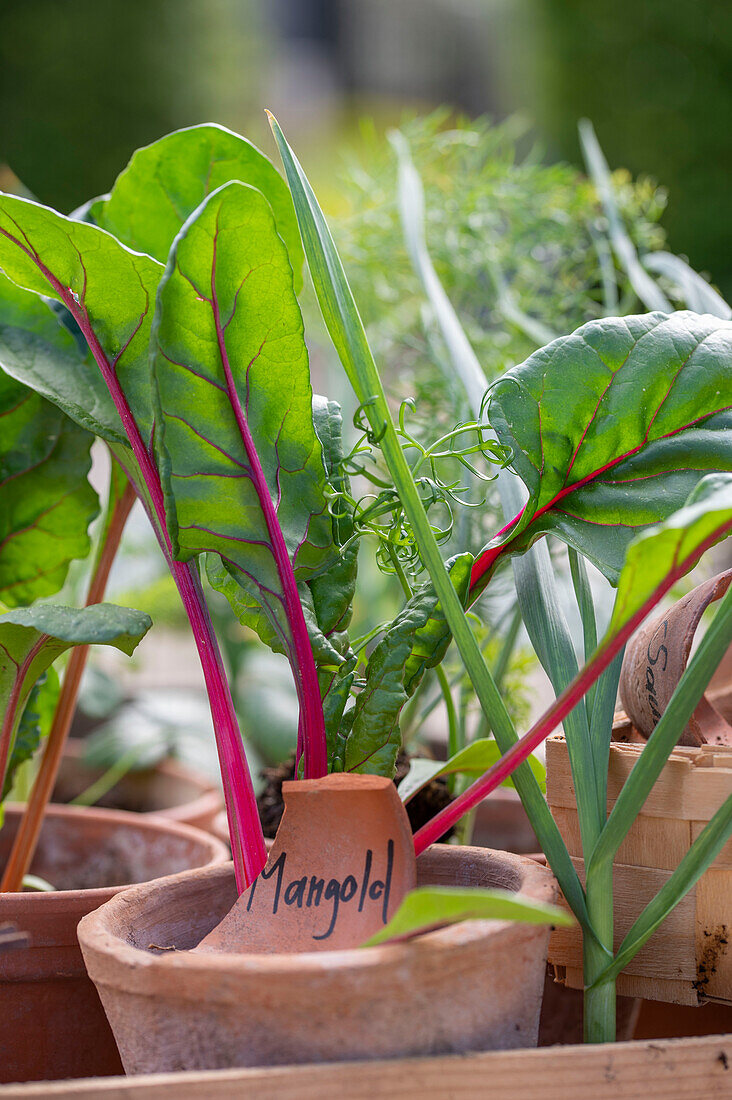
52,1024
501,822
220,827
169,789
473,986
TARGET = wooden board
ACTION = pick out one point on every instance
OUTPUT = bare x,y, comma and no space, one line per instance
664,1069
669,953
693,785
689,957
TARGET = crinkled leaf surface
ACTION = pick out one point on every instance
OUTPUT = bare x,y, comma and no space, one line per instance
166,181
250,613
47,503
34,725
334,590
31,639
611,428
431,907
109,290
238,454
475,759
416,640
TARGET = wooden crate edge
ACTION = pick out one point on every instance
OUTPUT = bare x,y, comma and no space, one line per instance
685,1069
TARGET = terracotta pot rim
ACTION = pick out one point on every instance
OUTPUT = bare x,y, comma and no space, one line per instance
536,882
203,805
146,823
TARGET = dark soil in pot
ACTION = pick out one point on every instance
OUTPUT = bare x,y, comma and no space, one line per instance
52,1024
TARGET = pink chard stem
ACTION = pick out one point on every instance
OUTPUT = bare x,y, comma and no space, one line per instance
249,851
311,741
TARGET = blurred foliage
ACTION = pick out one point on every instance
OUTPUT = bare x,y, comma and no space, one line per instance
498,221
83,84
654,78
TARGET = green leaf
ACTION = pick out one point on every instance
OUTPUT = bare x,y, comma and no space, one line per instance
46,502
46,508
335,690
239,457
108,289
39,351
416,640
412,215
250,613
655,553
611,428
166,181
430,907
34,725
474,759
31,639
333,591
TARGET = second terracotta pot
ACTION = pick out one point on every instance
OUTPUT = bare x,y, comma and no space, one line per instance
473,986
51,1022
169,789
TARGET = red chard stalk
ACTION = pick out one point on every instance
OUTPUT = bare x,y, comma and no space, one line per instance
212,425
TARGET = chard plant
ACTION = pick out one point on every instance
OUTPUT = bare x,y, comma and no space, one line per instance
611,430
194,371
197,379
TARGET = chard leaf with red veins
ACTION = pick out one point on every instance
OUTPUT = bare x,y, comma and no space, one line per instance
656,560
165,182
110,293
241,464
32,638
611,428
109,290
46,501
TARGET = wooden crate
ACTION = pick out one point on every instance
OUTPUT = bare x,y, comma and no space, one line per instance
664,1069
689,958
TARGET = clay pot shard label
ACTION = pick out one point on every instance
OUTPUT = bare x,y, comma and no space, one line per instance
340,865
655,659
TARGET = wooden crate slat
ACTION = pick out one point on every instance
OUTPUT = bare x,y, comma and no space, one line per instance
696,782
675,936
724,859
654,842
665,1069
714,933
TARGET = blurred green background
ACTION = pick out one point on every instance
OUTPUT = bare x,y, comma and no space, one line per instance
83,83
